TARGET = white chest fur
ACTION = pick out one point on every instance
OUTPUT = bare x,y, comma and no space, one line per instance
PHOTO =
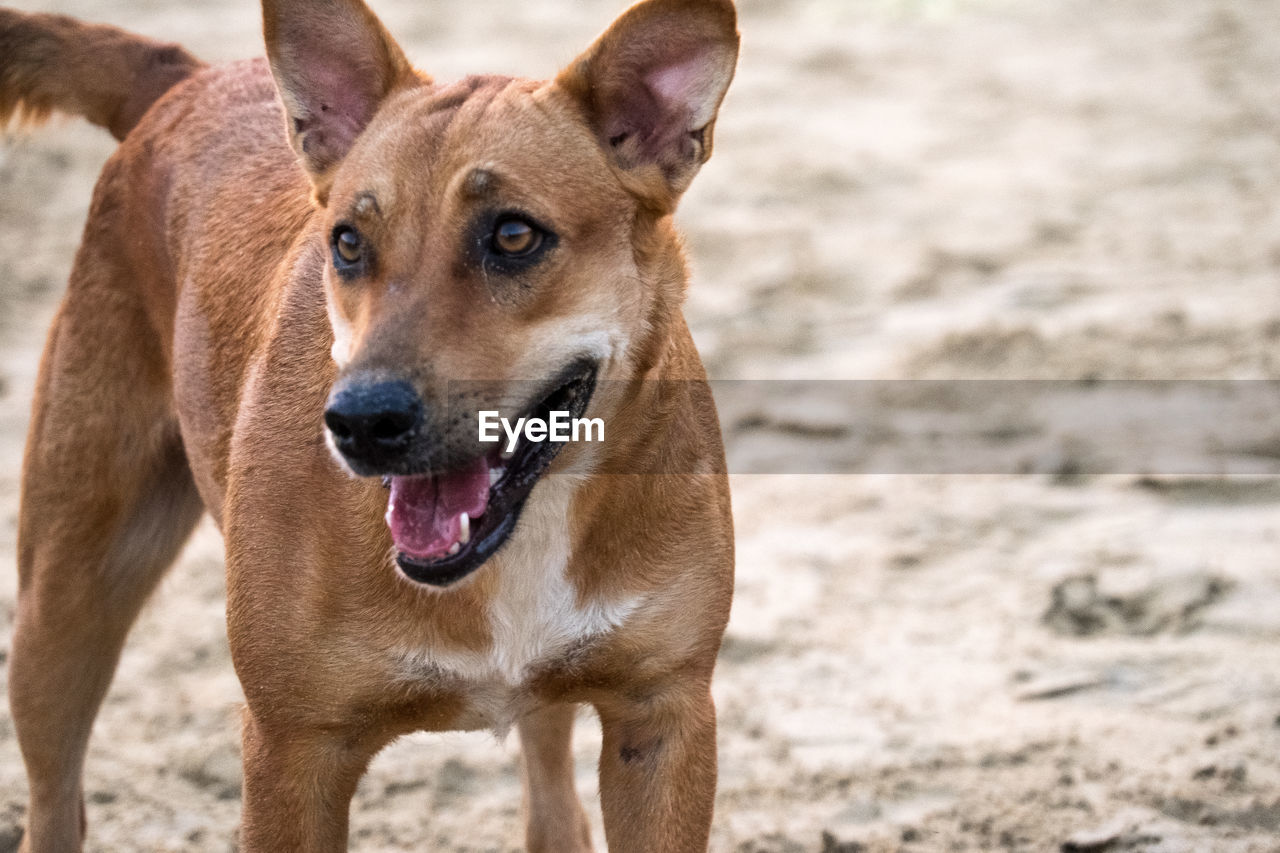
534,614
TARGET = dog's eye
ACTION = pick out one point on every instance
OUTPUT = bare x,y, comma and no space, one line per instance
515,238
348,247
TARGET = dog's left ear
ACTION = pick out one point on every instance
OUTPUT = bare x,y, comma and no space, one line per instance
651,87
334,63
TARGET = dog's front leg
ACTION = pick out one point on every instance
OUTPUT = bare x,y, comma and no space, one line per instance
554,820
658,771
298,786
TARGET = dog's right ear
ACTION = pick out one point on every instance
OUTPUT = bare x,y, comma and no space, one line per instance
333,63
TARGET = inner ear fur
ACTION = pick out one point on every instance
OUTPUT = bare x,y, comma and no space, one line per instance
334,64
651,88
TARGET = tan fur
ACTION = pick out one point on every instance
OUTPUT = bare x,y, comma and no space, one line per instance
204,271
111,77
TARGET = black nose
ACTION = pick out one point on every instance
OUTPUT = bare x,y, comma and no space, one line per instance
374,424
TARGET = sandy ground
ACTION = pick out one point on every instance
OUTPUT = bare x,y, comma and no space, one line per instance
902,189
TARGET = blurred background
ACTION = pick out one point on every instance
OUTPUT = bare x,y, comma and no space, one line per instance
901,189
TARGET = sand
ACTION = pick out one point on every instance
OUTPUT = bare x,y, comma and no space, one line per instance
902,189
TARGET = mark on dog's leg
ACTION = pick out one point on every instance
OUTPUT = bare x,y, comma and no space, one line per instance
633,752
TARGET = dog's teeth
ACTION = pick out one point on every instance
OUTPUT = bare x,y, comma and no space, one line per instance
457,546
465,536
495,474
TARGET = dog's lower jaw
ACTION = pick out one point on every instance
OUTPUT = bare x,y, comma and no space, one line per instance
458,565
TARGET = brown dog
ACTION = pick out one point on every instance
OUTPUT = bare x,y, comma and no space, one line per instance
267,334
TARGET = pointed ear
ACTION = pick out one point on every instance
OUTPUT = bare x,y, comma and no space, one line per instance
333,63
651,87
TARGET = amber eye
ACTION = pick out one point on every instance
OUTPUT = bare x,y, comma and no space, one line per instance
348,248
516,238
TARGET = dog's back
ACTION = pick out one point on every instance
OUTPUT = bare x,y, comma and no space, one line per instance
171,205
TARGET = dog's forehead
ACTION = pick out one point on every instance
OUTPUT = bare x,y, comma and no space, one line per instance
473,138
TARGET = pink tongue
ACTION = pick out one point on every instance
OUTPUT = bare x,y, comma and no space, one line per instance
425,513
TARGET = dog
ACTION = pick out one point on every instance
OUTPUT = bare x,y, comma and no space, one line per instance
300,282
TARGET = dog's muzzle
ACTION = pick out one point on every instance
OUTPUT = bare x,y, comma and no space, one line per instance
452,505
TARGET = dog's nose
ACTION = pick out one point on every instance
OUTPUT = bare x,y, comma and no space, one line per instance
376,422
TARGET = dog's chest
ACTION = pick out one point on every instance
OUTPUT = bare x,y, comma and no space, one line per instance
534,616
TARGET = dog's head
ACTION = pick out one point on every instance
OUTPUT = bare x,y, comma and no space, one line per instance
495,244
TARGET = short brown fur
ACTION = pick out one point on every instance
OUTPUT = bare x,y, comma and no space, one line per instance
204,273
109,76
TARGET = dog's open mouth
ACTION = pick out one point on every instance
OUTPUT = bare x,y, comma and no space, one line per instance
446,525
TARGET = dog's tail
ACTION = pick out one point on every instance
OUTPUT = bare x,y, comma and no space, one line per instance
109,76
